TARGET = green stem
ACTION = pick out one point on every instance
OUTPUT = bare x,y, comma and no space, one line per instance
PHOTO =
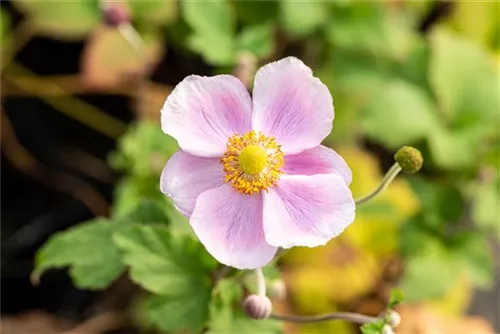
352,317
388,178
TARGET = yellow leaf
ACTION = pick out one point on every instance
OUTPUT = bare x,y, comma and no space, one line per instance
337,272
109,59
375,235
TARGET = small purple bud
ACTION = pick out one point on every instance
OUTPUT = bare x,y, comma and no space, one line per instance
115,15
257,307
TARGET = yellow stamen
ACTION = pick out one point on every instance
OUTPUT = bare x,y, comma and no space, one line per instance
252,162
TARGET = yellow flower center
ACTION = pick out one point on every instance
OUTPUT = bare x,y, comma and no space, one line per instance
252,162
253,159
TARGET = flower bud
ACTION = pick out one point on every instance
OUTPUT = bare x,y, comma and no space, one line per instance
277,289
115,15
257,307
409,158
387,329
393,318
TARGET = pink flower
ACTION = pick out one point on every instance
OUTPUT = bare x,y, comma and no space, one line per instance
252,174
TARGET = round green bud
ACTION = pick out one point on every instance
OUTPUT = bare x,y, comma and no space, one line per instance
409,159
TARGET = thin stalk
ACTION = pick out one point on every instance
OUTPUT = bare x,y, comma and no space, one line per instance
261,282
135,40
133,37
352,317
388,178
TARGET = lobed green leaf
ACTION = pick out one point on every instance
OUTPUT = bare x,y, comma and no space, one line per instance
87,249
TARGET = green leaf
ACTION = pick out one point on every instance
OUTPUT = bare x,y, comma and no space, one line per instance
146,211
421,282
466,89
139,199
395,298
131,190
373,327
143,150
174,267
358,27
227,316
303,18
163,263
399,34
399,114
60,19
355,75
225,296
177,36
213,30
257,39
414,67
189,312
473,250
466,85
256,12
87,249
485,207
418,231
243,324
454,149
157,13
438,199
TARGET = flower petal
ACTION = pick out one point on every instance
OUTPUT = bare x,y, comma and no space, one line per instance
186,176
203,112
229,224
291,105
318,160
307,210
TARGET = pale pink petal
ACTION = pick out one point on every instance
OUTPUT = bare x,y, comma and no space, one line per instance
201,113
318,160
291,105
307,210
186,176
229,225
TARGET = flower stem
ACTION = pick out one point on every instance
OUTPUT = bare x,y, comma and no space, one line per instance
388,178
133,37
261,282
352,317
135,40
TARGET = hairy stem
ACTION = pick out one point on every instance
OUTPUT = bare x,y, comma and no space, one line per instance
388,178
352,317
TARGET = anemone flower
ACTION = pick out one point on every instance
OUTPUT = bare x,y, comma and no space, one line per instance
252,175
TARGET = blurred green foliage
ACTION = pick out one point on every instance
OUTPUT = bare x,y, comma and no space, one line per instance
393,85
